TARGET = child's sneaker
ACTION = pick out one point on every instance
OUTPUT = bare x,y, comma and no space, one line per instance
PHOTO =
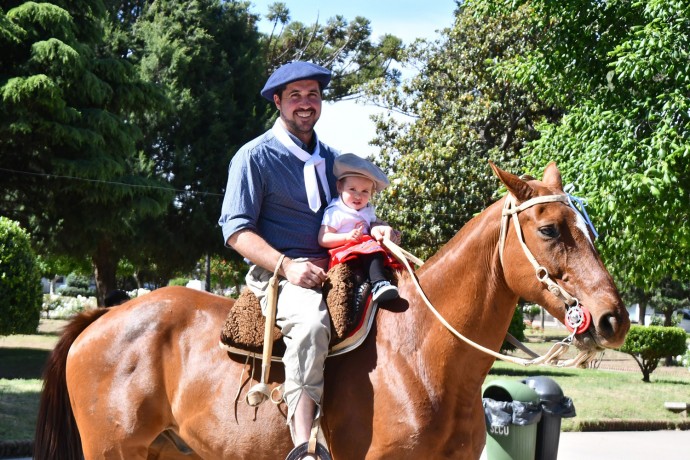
383,290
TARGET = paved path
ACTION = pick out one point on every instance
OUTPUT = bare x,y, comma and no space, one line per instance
627,445
623,445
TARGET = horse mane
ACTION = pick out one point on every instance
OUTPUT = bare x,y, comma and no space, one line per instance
63,440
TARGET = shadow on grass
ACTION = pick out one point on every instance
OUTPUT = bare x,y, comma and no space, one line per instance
529,372
22,363
668,380
57,333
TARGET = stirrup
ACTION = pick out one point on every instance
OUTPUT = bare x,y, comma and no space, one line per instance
258,394
303,449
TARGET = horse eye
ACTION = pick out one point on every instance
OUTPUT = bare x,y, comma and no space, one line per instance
549,231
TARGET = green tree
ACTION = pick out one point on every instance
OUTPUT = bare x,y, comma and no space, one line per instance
463,115
622,69
210,61
648,344
227,272
76,285
20,281
343,46
669,297
68,143
54,267
203,54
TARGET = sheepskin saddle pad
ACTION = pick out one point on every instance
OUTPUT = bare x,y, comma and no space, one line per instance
346,291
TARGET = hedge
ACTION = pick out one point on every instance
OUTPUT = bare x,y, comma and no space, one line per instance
21,295
649,344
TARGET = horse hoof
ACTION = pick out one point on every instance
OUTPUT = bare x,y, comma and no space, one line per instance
300,451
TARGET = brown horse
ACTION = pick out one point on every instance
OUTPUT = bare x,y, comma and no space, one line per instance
142,379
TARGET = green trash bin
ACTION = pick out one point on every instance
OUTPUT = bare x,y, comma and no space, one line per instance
512,412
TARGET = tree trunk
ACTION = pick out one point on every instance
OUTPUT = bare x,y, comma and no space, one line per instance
668,322
543,314
208,273
642,308
52,284
104,268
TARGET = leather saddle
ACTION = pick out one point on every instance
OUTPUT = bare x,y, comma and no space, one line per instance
348,296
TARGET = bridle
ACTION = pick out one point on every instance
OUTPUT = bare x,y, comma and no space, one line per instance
576,316
572,304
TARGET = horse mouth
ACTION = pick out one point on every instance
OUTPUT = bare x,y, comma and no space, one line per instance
610,335
605,329
588,341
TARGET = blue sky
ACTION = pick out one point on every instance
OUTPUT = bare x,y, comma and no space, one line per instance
346,125
407,19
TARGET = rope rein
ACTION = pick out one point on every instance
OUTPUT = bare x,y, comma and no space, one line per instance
552,357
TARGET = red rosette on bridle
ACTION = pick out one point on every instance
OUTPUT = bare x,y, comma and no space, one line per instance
578,319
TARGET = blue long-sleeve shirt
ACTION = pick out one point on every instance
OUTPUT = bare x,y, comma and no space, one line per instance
265,193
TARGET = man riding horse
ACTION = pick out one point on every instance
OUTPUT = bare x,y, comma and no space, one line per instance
278,187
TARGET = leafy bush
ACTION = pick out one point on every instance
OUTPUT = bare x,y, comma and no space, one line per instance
648,344
516,329
20,281
531,311
178,282
64,307
77,285
51,302
138,292
685,359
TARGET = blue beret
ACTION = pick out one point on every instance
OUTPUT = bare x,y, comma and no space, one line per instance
294,71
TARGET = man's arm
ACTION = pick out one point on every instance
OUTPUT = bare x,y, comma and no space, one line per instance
252,246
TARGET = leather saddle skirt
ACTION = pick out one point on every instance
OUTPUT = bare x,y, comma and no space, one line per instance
348,296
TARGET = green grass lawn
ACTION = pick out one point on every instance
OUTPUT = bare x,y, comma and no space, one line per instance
18,408
605,398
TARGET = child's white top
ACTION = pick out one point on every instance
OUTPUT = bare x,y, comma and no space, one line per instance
343,219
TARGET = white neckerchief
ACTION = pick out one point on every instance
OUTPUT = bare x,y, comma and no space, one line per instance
313,164
367,213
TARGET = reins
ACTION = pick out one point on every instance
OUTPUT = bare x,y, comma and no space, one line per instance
552,357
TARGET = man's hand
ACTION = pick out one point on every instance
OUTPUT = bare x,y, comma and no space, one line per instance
304,274
379,232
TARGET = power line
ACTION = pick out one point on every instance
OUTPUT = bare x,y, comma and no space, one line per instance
99,181
155,187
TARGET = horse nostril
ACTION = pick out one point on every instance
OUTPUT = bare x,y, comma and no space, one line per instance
608,325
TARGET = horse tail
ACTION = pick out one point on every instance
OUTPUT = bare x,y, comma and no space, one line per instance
57,435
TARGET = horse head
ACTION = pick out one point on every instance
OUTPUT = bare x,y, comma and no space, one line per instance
548,257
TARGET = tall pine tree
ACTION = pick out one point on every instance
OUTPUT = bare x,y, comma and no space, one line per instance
71,169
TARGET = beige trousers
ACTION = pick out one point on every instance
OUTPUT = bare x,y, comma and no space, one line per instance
303,319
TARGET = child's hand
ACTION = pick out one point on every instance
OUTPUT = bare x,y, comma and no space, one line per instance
356,233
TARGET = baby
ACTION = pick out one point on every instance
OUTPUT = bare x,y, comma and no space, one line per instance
348,218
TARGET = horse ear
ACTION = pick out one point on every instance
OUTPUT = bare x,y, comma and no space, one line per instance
552,176
518,187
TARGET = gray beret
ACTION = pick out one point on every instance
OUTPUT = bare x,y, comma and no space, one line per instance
294,71
349,164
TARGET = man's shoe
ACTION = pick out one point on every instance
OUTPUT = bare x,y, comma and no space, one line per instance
383,291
